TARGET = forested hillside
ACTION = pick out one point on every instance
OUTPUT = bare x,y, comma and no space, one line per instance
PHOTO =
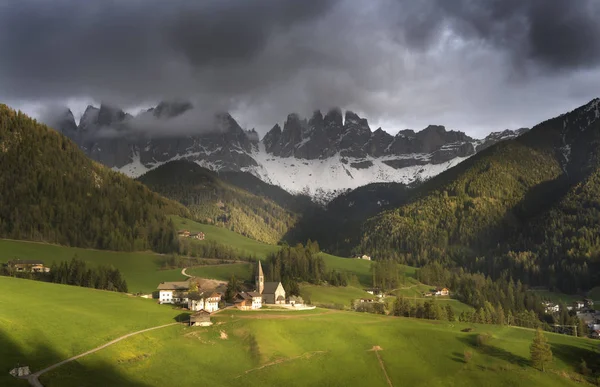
50,191
212,200
526,207
337,226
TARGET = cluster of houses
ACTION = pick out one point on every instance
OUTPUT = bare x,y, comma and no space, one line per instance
551,307
187,234
27,265
205,303
437,292
364,256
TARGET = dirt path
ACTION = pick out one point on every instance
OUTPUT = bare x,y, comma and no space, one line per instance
306,355
33,379
184,273
376,349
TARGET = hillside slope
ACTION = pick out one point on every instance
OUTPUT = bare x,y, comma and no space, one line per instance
52,192
507,207
214,201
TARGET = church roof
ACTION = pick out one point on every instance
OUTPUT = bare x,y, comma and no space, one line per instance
270,287
260,270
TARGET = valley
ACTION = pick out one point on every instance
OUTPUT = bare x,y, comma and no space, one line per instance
412,350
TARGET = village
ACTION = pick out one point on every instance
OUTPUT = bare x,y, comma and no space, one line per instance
187,295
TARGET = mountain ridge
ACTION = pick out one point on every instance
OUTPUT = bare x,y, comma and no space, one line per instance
321,157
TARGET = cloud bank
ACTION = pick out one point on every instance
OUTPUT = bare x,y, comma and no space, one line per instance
471,65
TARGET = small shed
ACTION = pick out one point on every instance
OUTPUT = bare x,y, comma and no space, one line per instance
200,319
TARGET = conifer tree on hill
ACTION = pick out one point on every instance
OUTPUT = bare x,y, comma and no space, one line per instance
541,353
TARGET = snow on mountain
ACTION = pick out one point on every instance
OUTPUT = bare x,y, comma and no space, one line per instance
322,157
324,179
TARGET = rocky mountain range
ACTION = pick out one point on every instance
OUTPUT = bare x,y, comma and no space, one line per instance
322,156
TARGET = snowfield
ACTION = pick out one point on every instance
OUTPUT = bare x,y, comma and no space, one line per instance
322,180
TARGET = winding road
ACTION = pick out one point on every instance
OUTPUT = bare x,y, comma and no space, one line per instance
33,379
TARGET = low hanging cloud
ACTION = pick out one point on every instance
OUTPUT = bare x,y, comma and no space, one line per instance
474,65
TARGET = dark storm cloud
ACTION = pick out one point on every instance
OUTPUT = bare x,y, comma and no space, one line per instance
400,61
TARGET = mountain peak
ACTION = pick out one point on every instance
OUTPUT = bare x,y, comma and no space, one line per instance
169,109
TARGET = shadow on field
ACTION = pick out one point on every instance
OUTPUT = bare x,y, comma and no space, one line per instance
574,355
182,317
42,356
490,350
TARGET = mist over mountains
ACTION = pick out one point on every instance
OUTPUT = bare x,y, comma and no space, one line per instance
321,156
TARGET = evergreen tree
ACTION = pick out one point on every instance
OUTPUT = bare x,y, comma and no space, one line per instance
541,354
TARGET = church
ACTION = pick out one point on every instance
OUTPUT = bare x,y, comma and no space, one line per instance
271,292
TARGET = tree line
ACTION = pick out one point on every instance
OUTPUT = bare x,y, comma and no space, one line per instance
301,263
76,272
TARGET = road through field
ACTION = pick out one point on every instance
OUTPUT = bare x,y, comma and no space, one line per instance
33,379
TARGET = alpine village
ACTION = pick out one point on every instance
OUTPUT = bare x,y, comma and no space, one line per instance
262,193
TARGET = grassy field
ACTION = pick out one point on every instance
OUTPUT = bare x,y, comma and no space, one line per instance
42,323
316,347
301,349
221,235
331,295
141,270
242,271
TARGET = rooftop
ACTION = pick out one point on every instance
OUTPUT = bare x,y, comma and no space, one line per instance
178,285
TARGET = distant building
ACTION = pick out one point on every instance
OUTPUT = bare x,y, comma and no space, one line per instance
200,318
365,257
248,300
173,292
374,291
442,292
271,292
551,308
208,301
28,265
187,234
578,304
589,303
198,235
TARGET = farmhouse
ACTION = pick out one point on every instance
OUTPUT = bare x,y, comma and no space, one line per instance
578,304
208,301
365,257
201,319
248,300
28,265
551,307
442,292
187,234
173,292
272,292
374,291
198,235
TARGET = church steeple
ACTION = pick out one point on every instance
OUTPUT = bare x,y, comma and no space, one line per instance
260,279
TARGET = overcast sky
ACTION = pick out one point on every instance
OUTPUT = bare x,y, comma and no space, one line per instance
475,66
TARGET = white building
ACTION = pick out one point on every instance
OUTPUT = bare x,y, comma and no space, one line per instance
208,301
551,308
248,300
173,292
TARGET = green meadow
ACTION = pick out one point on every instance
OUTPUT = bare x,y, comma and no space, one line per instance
43,323
141,270
242,271
332,295
223,236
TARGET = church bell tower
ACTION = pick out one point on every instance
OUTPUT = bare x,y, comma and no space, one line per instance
260,279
